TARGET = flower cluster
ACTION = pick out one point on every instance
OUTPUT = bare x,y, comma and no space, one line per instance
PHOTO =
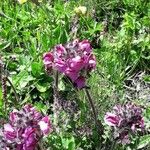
74,59
125,119
24,130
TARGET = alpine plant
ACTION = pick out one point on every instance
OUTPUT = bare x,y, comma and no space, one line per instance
74,59
24,129
125,120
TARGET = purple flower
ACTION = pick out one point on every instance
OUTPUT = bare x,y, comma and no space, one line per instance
13,116
25,128
125,119
60,50
91,62
111,119
9,133
48,61
32,112
85,46
48,58
80,82
76,63
73,75
45,125
74,59
30,139
60,65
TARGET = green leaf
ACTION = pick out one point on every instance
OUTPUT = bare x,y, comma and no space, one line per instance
144,141
61,86
22,79
41,87
41,107
147,78
36,69
68,143
4,45
71,146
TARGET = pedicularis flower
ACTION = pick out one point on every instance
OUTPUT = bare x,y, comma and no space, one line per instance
75,60
125,119
24,129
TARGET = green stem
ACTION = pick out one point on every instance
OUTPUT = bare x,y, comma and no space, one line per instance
15,93
98,123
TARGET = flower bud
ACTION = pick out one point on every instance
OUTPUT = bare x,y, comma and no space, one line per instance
81,10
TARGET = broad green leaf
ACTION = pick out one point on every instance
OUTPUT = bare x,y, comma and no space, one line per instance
22,79
36,69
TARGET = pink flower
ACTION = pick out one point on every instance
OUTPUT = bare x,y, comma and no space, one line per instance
85,46
25,129
125,119
60,50
28,108
91,62
9,133
77,63
60,65
48,58
73,59
72,74
33,112
30,139
13,117
48,61
45,125
111,119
